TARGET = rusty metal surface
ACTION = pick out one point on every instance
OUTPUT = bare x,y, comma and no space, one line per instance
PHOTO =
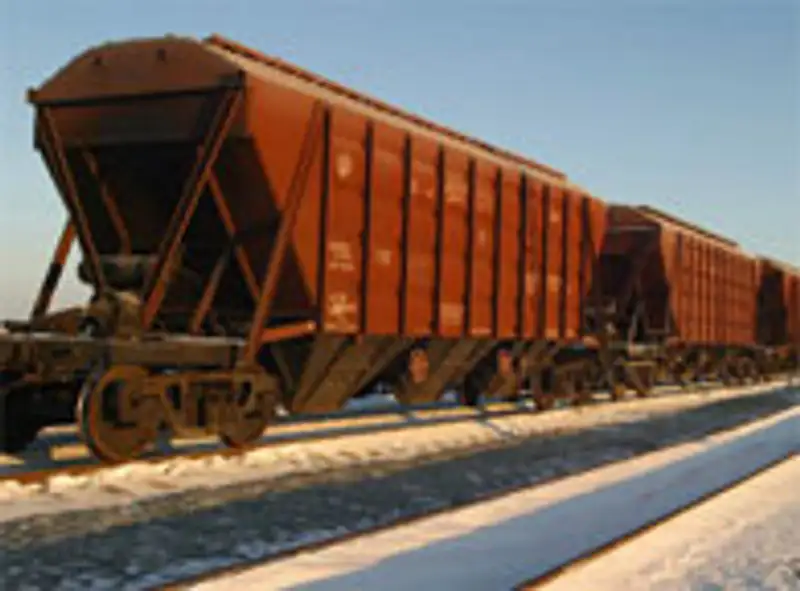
116,428
312,136
714,290
402,227
52,352
138,68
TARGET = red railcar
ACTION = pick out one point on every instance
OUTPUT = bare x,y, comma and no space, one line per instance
291,226
779,310
672,283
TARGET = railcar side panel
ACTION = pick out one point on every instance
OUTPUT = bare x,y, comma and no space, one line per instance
711,290
572,252
778,304
484,244
344,223
594,231
384,252
420,243
554,276
452,243
696,286
532,242
280,120
511,239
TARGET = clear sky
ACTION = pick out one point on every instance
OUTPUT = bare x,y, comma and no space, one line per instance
688,105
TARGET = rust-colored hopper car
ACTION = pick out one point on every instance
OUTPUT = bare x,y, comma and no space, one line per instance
254,234
779,311
690,292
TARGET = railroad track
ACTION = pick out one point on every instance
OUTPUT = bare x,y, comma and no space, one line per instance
69,456
65,455
212,575
602,550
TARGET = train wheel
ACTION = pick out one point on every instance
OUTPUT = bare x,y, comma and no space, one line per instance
644,387
113,414
541,399
565,388
752,371
641,377
681,377
617,390
249,411
725,374
583,391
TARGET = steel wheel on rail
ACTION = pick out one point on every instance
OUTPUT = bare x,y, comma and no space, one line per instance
115,419
250,410
750,371
641,378
583,390
617,389
541,400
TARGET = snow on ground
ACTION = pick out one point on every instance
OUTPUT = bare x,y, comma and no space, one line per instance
139,480
501,543
747,538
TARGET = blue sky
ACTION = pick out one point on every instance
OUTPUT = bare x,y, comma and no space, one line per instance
688,105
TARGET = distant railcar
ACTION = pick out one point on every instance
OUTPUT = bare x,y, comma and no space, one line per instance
779,312
687,291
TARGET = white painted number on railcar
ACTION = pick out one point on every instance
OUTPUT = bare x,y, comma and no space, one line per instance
342,312
340,256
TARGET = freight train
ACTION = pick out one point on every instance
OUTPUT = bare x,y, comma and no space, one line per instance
256,236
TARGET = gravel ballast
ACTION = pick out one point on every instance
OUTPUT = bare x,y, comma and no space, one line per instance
150,542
